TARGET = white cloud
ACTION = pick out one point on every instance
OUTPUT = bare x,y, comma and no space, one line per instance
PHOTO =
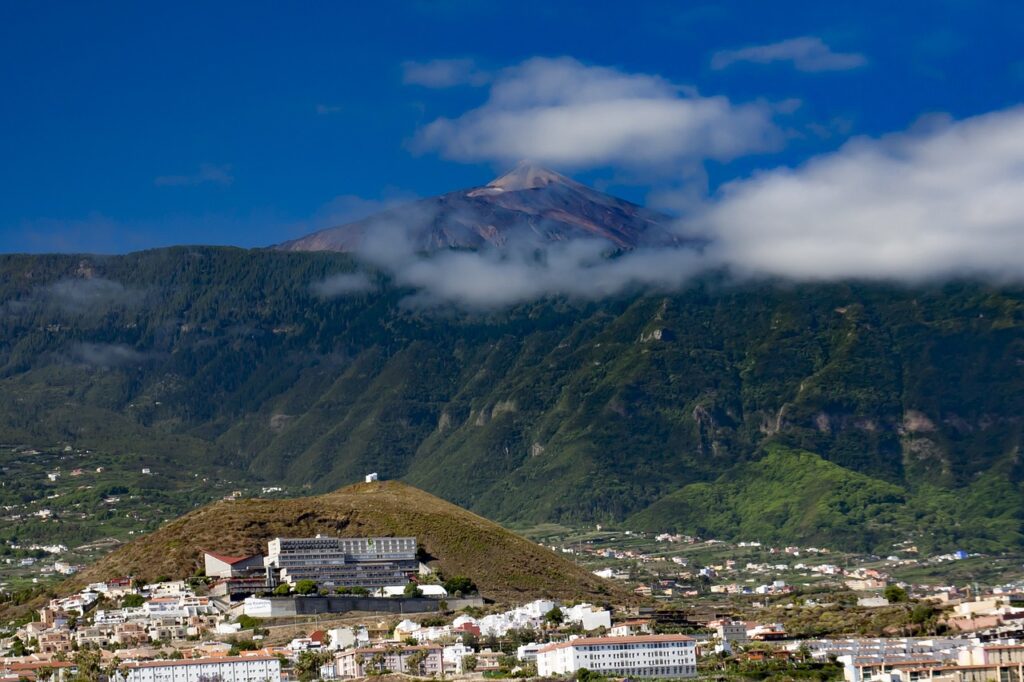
444,73
568,114
943,200
343,284
807,53
208,173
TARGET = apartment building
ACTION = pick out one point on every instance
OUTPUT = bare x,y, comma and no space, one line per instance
665,656
223,669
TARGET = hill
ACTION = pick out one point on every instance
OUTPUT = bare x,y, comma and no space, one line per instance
504,566
795,494
577,412
528,203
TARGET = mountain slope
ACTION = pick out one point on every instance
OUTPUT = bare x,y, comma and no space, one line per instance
504,566
528,204
555,410
795,496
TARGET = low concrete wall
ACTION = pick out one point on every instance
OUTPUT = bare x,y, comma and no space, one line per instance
340,604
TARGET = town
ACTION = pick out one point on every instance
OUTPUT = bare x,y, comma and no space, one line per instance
327,607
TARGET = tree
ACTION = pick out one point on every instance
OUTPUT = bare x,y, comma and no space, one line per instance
469,663
283,590
247,622
113,669
88,663
895,594
413,590
305,587
554,616
414,662
308,664
377,662
460,584
132,601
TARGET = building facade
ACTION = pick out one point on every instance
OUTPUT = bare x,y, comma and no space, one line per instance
223,669
412,660
665,656
342,562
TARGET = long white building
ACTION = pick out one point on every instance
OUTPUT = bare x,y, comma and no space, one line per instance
636,656
226,669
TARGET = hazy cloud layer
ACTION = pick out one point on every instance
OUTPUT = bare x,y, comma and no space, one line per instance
89,294
107,354
945,199
565,113
807,53
208,173
444,73
343,284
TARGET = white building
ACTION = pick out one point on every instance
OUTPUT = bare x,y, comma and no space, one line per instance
588,616
640,656
731,631
227,669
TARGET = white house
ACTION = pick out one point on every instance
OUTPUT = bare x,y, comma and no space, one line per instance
663,656
588,616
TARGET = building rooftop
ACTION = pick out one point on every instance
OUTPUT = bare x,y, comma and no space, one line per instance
633,639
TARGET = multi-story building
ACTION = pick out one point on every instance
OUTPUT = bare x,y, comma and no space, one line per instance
731,631
636,656
342,562
55,642
413,660
223,669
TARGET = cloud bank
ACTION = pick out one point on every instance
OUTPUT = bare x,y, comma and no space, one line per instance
945,199
571,115
807,53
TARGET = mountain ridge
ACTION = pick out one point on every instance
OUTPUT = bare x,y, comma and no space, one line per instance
557,410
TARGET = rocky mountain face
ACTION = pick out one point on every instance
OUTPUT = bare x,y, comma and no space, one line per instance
527,205
840,414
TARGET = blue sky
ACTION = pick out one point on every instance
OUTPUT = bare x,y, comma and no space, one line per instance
126,126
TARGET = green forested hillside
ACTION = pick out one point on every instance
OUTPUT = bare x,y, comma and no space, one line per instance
556,410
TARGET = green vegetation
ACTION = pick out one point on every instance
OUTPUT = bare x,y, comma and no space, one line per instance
895,594
792,496
199,360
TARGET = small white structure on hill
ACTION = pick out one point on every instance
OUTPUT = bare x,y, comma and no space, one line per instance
370,478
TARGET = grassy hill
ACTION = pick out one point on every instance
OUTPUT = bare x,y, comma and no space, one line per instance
505,566
558,410
796,496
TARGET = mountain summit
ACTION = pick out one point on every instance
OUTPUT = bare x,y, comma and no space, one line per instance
529,176
528,204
